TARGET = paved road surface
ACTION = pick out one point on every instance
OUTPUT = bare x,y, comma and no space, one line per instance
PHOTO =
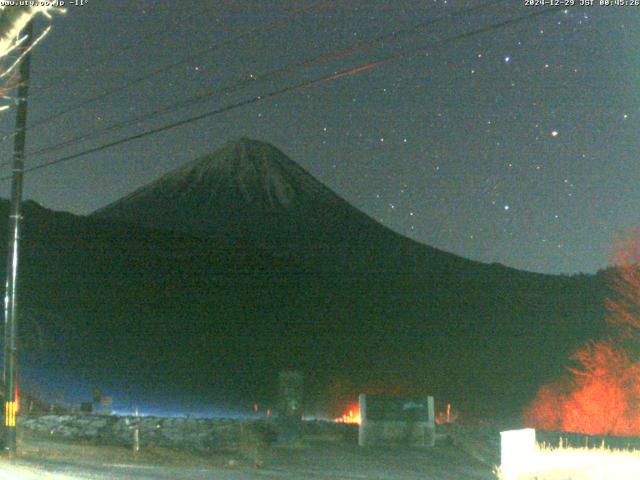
315,462
59,470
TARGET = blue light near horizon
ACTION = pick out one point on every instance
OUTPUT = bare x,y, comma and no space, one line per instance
76,390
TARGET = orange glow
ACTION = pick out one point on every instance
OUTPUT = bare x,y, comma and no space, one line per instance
351,416
354,71
346,73
446,416
600,396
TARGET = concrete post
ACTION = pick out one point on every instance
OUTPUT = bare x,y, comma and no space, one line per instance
430,427
362,429
136,438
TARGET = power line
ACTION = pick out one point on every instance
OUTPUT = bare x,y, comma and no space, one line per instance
161,70
54,80
299,86
273,74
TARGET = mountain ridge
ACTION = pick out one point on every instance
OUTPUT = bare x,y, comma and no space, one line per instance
177,201
244,178
350,303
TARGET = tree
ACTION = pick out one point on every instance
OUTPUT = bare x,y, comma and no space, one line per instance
624,308
601,393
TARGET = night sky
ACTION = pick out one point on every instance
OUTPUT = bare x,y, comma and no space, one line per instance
517,145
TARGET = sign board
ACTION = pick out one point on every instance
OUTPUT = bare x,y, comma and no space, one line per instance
396,421
397,409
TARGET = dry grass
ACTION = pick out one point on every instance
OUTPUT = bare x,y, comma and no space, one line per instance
570,463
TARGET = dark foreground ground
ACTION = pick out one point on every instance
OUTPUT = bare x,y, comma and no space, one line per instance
448,460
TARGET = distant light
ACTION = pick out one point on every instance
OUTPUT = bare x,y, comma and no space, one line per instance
507,59
506,207
554,133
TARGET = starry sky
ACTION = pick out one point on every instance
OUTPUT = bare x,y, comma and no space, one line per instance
516,145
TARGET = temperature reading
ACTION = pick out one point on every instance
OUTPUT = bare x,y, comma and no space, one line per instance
78,3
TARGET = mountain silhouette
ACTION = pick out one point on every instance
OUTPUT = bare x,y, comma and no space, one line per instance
245,190
202,285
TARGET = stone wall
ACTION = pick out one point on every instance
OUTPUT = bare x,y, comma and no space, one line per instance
195,434
188,433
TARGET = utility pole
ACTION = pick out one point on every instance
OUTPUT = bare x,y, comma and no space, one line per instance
11,293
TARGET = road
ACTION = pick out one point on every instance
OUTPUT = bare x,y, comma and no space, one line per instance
320,462
64,470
